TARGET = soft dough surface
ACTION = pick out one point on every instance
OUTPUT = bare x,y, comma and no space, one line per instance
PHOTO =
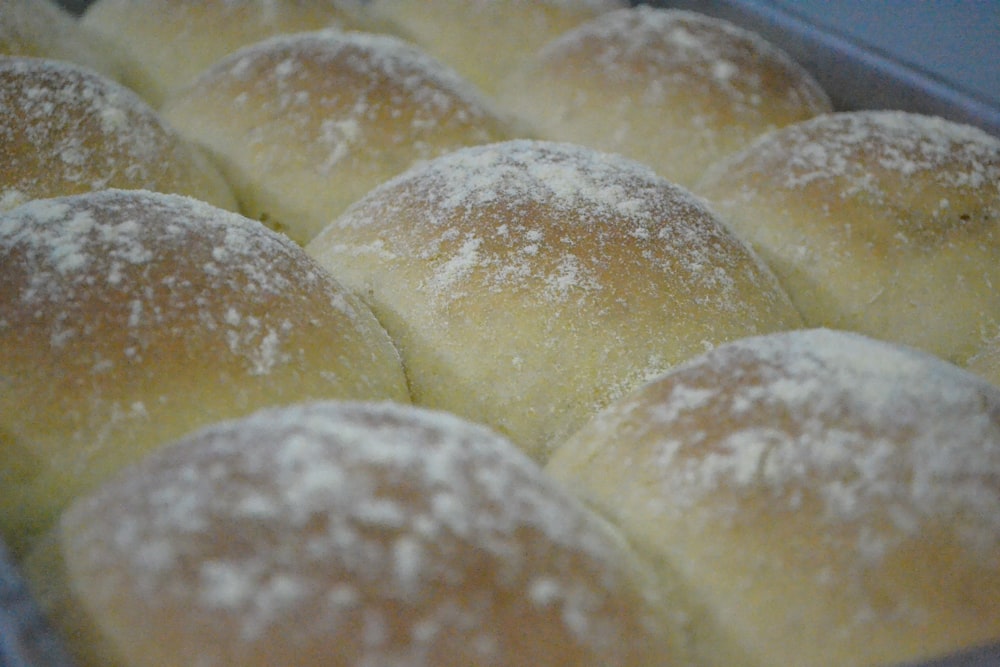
65,129
674,89
349,534
528,283
305,124
824,498
128,318
881,222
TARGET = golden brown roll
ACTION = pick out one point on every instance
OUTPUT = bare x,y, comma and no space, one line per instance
43,29
823,498
674,89
485,40
528,283
65,129
880,222
303,125
128,318
347,534
165,43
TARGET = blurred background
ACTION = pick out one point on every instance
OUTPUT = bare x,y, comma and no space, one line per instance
935,56
932,56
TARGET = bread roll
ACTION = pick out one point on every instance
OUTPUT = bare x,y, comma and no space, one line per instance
166,43
528,283
674,89
882,222
824,498
485,40
65,129
43,29
346,534
128,318
305,124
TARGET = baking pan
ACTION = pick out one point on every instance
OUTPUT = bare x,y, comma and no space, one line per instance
26,640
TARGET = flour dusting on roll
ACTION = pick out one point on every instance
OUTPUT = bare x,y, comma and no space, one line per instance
128,318
166,43
675,89
823,497
66,129
347,534
305,124
528,283
882,222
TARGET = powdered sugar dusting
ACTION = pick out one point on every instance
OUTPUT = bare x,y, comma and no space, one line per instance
330,520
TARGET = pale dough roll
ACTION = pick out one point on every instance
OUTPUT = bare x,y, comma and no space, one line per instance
303,125
824,498
129,318
43,29
66,129
347,534
880,222
528,283
671,88
485,40
166,43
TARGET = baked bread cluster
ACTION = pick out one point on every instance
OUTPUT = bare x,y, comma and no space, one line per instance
487,333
